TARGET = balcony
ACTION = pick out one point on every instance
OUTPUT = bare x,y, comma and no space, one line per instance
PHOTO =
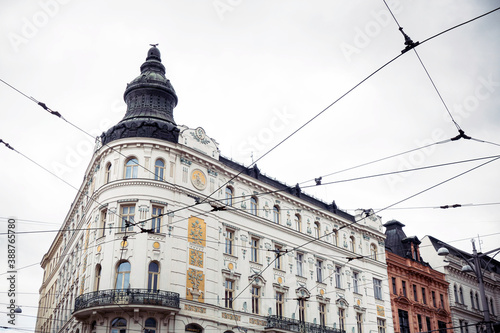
281,324
114,298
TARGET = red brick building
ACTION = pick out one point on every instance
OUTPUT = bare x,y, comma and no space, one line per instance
419,294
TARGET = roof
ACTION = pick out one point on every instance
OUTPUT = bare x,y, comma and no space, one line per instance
254,172
490,264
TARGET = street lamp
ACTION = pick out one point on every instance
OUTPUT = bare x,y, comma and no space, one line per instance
479,274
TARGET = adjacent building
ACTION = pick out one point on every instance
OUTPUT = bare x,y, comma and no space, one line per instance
167,235
464,295
419,294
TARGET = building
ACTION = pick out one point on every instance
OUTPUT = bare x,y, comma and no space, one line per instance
419,294
167,235
464,295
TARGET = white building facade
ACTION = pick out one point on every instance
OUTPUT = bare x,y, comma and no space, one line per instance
465,299
166,235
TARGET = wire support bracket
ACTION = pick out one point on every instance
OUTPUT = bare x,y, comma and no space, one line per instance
410,44
461,135
7,145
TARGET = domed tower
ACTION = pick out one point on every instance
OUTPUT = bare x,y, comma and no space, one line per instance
151,100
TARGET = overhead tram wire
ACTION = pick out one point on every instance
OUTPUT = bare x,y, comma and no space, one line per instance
412,45
294,132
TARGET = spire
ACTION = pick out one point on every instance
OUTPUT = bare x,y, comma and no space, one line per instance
150,100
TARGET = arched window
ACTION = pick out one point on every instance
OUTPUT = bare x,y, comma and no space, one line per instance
131,168
335,235
373,252
253,206
119,325
123,276
455,291
229,196
352,244
477,302
150,325
193,328
472,299
97,277
298,222
153,275
276,214
107,176
317,230
159,169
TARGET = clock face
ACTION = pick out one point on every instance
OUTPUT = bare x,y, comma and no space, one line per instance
198,179
200,133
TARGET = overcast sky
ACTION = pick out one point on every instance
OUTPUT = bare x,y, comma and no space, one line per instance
250,73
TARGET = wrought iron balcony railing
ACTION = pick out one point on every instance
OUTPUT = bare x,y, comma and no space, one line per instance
127,296
293,325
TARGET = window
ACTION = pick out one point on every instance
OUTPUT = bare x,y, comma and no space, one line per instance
420,323
277,261
128,213
123,276
253,206
298,223
153,274
355,277
461,322
335,235
322,314
159,169
107,175
302,309
394,287
254,252
119,325
317,230
441,298
424,298
415,295
377,288
131,168
359,322
428,322
461,292
280,300
228,296
404,288
455,291
442,326
102,226
373,252
255,299
352,244
381,325
404,325
150,325
97,277
319,270
229,241
471,299
229,196
492,309
298,260
276,215
156,220
342,319
338,277
477,302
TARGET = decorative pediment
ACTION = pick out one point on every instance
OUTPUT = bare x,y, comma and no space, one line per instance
302,292
257,279
342,303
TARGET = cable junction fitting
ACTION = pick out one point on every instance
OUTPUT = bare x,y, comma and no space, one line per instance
461,135
410,44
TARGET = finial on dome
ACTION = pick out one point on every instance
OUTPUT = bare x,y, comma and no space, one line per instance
154,53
